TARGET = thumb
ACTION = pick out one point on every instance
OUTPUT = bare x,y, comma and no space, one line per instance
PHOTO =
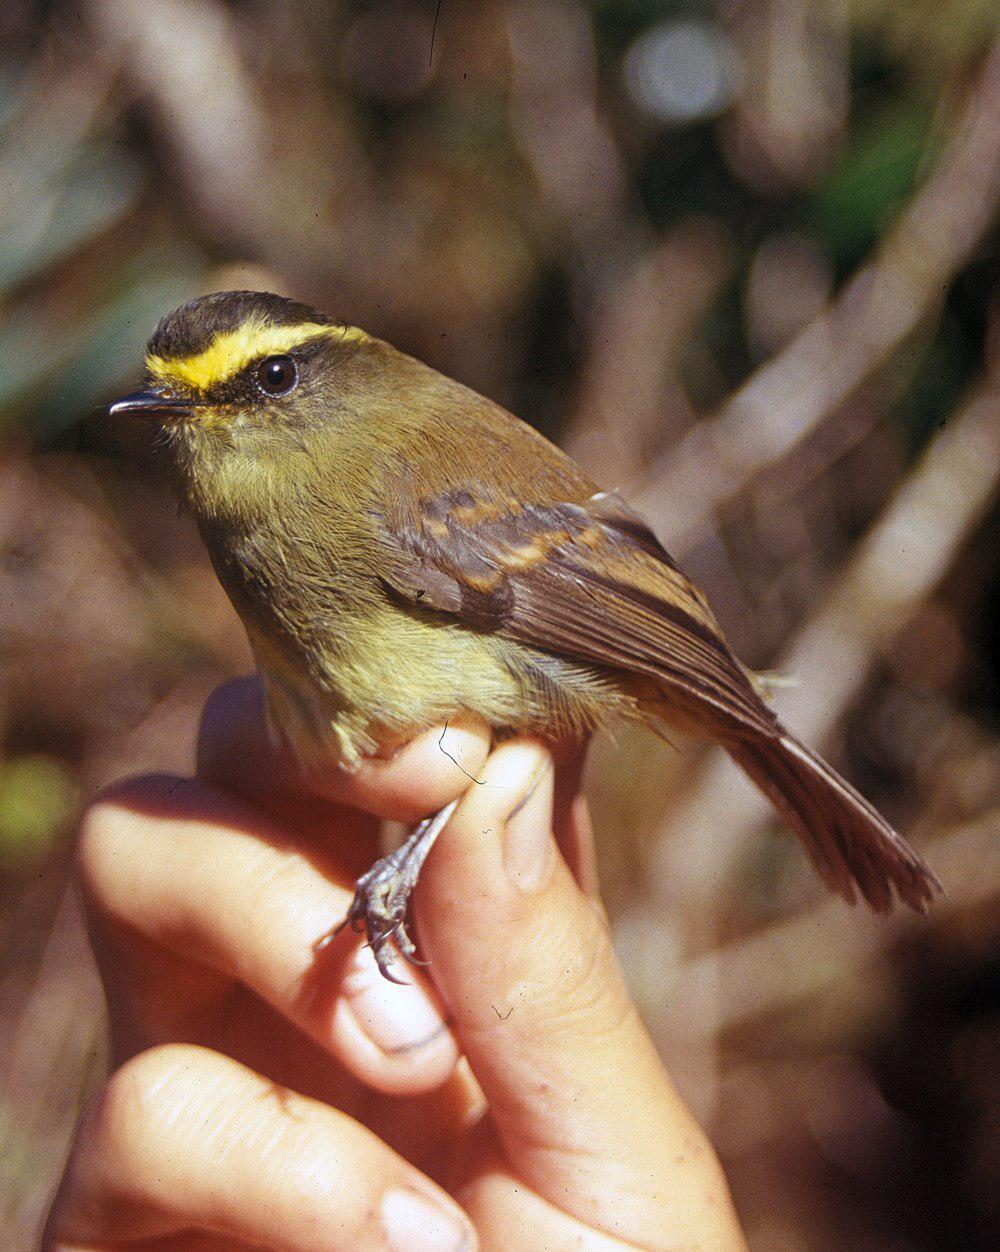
579,1099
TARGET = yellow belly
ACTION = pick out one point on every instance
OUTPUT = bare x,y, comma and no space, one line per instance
380,681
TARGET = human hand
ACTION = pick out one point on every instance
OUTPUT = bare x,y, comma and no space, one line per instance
267,1094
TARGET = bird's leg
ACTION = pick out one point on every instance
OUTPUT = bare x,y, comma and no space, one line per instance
382,896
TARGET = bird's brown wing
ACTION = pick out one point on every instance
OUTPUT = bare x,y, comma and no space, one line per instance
587,581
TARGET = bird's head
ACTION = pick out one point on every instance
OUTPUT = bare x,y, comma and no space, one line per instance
244,371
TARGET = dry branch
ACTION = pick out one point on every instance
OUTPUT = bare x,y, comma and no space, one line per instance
902,559
629,397
52,1053
885,301
776,968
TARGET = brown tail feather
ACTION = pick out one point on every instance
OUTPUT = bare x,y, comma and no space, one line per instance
850,843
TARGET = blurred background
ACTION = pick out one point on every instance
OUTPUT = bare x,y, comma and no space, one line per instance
741,258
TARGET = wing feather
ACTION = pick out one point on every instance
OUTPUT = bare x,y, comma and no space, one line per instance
588,581
591,582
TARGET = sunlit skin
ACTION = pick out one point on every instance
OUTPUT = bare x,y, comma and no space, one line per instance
266,1096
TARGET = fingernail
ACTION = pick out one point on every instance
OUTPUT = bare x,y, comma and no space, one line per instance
415,1223
396,1018
528,850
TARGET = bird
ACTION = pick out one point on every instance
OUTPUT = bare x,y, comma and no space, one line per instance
402,550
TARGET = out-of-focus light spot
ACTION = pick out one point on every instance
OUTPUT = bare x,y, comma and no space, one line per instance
682,71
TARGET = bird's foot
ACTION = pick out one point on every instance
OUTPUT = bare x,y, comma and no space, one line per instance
382,896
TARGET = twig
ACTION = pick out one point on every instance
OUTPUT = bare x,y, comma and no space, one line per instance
50,1062
903,557
629,397
880,307
802,958
559,126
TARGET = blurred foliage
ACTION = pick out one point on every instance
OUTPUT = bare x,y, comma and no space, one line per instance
624,219
856,200
36,797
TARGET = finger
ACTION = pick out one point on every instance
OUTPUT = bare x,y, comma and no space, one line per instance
236,751
186,1241
573,828
499,1202
579,1098
183,1138
201,879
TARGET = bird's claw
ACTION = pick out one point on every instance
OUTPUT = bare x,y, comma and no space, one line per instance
382,898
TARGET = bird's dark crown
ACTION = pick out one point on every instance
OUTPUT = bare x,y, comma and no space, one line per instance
195,326
209,346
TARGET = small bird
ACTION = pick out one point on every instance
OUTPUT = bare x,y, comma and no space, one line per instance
401,550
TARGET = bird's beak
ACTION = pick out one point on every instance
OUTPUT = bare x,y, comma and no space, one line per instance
151,403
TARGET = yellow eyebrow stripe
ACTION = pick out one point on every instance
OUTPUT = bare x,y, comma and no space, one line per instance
232,350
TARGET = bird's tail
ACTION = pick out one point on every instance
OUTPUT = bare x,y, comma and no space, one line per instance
850,843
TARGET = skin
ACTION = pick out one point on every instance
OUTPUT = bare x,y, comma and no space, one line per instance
266,1095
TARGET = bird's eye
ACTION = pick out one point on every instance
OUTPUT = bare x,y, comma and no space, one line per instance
277,375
